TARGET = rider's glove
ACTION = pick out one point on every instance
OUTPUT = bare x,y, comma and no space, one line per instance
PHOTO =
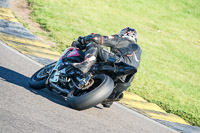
78,45
74,43
81,40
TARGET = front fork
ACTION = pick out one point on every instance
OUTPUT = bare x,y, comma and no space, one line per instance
48,82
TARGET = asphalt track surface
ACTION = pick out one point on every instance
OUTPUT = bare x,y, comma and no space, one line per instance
24,110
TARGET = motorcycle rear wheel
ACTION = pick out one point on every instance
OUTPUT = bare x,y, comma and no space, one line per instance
39,78
99,91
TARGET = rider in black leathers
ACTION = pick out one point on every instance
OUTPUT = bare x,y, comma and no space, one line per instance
123,48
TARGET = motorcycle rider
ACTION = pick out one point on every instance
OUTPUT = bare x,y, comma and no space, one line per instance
123,48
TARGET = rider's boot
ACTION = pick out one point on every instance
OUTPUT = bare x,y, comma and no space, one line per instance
113,97
107,104
90,59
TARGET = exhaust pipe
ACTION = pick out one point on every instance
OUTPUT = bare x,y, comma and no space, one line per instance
59,88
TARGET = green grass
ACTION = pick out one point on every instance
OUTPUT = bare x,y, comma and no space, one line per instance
168,32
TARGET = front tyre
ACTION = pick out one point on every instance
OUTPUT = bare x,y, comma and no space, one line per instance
39,78
99,91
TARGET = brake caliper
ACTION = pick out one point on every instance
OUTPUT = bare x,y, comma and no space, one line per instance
85,83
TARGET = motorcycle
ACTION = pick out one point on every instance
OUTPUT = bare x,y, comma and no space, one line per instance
81,91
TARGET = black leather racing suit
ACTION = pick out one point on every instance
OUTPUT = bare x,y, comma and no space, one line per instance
121,48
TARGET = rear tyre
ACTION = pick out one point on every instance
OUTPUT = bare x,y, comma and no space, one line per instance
38,79
100,90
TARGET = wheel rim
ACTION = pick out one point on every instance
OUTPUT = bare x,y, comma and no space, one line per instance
44,72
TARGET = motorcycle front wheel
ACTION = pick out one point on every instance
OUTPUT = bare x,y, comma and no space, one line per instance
99,91
37,81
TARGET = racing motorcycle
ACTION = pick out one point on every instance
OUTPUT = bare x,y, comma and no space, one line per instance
81,91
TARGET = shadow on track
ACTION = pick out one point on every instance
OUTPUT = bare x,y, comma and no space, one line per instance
21,80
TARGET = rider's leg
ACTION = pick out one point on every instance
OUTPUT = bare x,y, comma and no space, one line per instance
121,86
90,58
103,55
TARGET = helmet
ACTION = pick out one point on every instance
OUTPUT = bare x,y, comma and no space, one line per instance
129,33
